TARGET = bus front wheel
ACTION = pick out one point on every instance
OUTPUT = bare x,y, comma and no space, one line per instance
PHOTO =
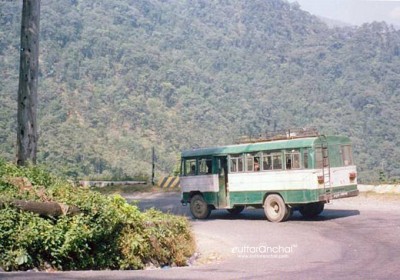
275,208
199,207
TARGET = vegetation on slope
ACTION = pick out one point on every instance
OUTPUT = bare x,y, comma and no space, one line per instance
109,233
120,77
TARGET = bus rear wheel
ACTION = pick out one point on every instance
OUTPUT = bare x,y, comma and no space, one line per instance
275,208
312,210
199,207
289,213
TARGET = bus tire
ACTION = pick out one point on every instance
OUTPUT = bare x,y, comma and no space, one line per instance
236,210
275,208
312,210
289,213
199,207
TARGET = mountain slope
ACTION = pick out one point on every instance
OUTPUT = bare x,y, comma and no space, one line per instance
120,77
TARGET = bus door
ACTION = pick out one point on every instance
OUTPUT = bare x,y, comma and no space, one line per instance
222,164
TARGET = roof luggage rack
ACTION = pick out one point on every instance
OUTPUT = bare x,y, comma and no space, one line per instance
278,135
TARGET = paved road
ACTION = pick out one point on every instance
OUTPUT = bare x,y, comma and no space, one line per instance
355,238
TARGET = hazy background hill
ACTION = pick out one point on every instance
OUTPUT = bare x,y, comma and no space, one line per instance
118,77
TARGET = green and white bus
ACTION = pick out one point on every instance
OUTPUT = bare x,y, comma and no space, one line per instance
280,174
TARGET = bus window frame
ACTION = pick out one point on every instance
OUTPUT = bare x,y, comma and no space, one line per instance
291,155
319,159
271,154
346,153
186,168
280,156
305,158
236,158
250,161
266,155
249,167
199,167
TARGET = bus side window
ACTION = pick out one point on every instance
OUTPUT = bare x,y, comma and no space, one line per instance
236,163
249,162
292,159
240,164
266,162
190,167
253,162
276,161
233,165
347,159
205,166
288,161
318,158
296,160
257,163
209,166
305,159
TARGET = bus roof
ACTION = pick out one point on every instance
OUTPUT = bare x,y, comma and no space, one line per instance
263,146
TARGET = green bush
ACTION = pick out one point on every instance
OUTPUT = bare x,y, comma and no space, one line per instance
109,233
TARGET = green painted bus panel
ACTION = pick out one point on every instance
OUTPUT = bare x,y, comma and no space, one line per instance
349,188
257,197
254,197
300,196
289,196
209,197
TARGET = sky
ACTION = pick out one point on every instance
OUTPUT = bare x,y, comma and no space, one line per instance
355,12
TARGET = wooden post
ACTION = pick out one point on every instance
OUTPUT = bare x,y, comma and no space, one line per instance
153,165
28,83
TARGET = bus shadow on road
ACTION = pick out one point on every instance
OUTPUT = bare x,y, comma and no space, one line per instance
251,214
258,214
326,215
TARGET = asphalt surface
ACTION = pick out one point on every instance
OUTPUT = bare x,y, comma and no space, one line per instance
354,238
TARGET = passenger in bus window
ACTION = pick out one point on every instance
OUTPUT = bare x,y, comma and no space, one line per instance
192,170
256,164
267,162
288,163
209,166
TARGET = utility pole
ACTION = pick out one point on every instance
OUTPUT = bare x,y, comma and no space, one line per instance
28,82
153,160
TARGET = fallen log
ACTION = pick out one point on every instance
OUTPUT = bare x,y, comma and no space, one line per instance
54,209
47,208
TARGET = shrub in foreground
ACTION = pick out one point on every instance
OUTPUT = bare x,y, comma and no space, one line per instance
108,233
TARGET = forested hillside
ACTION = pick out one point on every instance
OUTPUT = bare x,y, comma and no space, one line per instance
118,77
